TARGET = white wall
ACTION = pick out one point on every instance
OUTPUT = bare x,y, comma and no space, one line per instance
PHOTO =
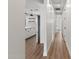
67,27
43,29
50,18
16,29
50,28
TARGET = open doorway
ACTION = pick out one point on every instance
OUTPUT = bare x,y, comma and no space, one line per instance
32,43
38,20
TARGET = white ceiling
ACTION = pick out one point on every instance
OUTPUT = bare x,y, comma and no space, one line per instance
39,1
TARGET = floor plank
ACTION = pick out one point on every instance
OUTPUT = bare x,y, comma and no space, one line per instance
58,49
34,50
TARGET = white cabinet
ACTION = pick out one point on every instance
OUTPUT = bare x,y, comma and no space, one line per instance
30,25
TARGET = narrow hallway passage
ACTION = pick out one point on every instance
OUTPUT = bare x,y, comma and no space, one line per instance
57,50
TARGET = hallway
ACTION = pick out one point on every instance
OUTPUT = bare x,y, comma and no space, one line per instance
57,50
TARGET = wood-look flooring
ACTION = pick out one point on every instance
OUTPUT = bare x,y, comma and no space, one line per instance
34,50
57,50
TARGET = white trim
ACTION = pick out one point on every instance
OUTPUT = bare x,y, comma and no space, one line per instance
67,47
51,41
44,53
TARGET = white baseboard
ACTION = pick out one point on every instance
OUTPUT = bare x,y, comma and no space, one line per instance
68,47
44,53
